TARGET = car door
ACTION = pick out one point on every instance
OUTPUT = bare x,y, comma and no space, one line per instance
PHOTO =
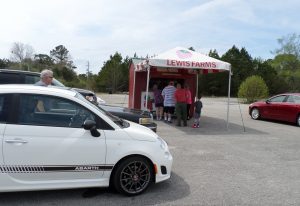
51,145
273,108
4,111
291,108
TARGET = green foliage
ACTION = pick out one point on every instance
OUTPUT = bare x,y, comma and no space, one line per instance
287,62
281,74
241,64
253,89
114,74
214,54
289,44
60,54
4,63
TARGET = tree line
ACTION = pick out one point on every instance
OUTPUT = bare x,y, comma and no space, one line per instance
281,74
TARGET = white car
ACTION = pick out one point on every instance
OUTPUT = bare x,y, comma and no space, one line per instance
53,138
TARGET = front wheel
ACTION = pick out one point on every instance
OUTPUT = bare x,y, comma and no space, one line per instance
255,113
133,176
298,121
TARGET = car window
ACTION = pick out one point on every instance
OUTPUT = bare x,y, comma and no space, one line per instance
277,99
296,99
290,99
57,83
117,120
3,108
31,79
52,111
10,78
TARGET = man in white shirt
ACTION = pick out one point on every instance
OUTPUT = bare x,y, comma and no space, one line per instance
169,101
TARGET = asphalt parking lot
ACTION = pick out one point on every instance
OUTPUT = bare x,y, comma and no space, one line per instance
254,164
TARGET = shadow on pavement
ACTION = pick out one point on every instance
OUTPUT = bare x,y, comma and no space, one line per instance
215,126
168,191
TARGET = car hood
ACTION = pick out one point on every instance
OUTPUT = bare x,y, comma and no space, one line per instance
259,103
141,133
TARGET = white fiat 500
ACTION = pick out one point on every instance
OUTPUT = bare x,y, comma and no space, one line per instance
53,138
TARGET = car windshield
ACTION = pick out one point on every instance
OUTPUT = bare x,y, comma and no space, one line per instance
57,83
122,123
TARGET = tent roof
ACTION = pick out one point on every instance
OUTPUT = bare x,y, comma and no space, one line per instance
180,57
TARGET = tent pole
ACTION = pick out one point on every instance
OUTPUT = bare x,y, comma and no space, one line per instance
133,95
197,85
229,84
147,87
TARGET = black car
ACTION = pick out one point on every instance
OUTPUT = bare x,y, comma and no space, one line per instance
135,115
8,76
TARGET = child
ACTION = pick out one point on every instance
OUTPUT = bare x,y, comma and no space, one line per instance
197,114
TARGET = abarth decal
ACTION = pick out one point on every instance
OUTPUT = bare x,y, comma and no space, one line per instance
53,168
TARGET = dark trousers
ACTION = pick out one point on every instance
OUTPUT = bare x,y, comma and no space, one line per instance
188,106
181,113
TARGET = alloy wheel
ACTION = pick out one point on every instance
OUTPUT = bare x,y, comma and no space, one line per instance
255,113
135,177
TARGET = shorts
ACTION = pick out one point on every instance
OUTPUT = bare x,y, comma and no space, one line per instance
197,115
159,105
169,110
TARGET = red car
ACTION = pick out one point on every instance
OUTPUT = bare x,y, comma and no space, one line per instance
283,107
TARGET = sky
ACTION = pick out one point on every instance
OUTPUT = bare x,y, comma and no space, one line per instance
93,30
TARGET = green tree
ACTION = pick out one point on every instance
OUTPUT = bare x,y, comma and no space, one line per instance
114,74
20,52
241,64
289,44
4,63
287,61
214,54
275,83
60,54
253,89
63,67
191,48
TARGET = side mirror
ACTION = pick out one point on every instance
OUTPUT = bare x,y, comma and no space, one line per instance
91,125
267,101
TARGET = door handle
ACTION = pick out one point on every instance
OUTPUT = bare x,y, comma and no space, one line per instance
16,141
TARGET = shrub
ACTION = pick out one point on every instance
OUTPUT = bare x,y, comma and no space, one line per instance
253,89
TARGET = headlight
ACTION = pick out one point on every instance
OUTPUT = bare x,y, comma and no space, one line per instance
163,144
145,120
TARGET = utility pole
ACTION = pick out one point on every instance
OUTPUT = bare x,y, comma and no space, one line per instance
88,74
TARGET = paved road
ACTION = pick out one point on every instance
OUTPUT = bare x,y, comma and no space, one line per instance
258,164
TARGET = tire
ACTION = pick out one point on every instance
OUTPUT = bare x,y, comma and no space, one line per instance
255,113
298,121
133,176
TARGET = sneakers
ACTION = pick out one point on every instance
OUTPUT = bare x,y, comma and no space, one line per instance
195,126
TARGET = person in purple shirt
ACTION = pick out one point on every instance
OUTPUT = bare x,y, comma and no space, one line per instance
159,102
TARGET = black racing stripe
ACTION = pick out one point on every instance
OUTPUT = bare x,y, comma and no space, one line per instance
54,168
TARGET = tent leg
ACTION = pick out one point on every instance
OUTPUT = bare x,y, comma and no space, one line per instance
197,86
133,95
147,87
229,85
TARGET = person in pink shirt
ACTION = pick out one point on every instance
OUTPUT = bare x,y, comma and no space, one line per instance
188,100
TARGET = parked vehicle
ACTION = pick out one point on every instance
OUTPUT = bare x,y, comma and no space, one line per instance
283,107
72,144
144,118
